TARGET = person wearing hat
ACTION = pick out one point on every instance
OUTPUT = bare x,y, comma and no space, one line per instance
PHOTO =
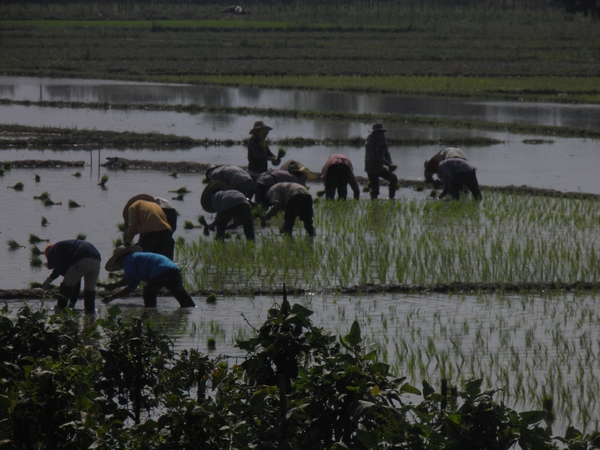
74,259
259,153
228,204
337,173
236,177
295,201
270,178
149,220
456,173
299,170
156,271
431,165
168,209
378,162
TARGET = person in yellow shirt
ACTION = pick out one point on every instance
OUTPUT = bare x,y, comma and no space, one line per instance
149,221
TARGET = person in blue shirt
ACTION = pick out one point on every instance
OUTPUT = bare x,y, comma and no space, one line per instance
74,259
157,271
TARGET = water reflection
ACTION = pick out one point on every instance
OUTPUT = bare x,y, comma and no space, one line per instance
50,89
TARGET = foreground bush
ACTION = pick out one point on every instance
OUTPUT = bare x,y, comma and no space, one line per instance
116,384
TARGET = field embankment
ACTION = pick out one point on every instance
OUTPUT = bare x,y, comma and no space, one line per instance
542,55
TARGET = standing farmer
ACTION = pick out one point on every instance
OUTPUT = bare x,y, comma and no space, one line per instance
378,162
259,153
74,259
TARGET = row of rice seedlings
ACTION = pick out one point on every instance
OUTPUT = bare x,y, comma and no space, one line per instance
530,346
506,238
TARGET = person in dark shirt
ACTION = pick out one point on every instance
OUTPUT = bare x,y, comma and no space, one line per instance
236,177
270,178
259,153
378,162
74,259
228,204
456,173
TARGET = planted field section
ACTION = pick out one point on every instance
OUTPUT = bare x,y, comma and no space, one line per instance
506,239
308,42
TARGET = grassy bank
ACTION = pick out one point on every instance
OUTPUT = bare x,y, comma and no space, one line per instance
542,55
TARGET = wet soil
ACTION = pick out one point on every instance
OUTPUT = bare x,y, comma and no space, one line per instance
195,167
451,288
117,163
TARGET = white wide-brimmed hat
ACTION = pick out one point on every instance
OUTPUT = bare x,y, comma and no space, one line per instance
115,262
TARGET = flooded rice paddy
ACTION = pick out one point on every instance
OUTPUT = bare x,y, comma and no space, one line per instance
530,345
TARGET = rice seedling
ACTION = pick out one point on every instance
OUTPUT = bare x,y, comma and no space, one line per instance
73,204
14,245
17,187
211,299
77,174
37,178
49,202
189,225
173,174
42,196
181,191
211,344
35,285
35,250
103,181
44,221
81,237
35,261
33,239
178,197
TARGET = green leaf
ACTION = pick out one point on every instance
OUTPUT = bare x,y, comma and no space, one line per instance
532,417
381,368
353,338
370,439
473,388
408,389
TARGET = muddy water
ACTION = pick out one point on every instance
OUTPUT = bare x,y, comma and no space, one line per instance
425,337
47,89
562,164
565,164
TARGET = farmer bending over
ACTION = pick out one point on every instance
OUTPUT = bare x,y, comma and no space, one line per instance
229,204
456,173
431,165
295,201
337,173
73,259
157,271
